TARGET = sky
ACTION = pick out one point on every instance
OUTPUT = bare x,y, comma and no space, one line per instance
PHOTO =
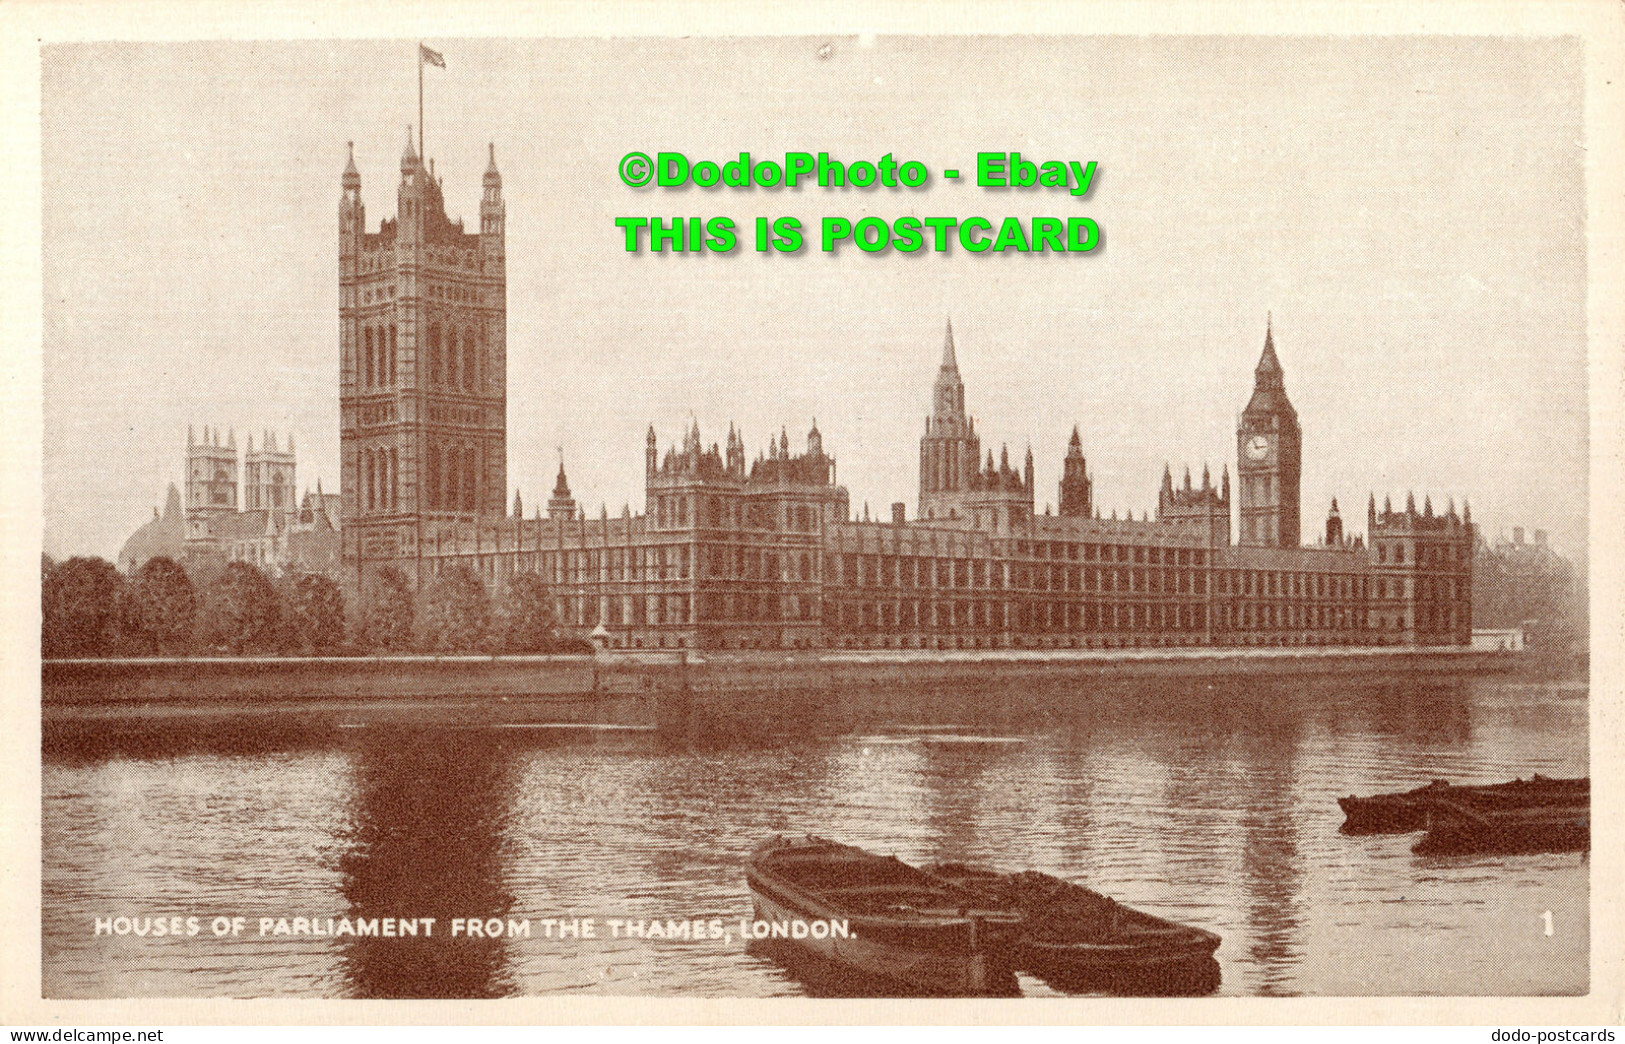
1409,211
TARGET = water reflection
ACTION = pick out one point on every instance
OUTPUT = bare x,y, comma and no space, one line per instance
1211,804
427,820
1270,865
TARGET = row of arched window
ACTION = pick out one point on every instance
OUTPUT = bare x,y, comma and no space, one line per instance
451,478
378,367
380,479
453,358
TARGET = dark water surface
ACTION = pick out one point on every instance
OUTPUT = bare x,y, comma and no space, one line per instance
1211,806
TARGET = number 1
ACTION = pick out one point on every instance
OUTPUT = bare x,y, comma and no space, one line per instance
1547,917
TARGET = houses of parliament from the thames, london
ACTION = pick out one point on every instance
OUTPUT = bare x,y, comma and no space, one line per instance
731,554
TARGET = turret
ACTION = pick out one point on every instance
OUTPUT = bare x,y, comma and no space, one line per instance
561,505
1203,510
493,211
1334,526
815,441
1075,492
736,452
651,454
352,215
411,195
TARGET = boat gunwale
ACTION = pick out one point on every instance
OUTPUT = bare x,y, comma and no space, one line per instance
814,902
1190,942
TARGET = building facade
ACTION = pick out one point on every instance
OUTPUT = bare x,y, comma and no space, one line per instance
272,528
423,362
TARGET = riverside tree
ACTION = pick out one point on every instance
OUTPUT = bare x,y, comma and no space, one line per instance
455,612
386,610
526,622
243,612
79,602
165,604
316,610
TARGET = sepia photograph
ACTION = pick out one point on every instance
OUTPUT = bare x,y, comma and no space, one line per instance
872,515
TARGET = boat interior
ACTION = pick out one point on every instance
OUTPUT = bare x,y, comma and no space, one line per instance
869,884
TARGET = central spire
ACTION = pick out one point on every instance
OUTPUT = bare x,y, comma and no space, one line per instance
949,395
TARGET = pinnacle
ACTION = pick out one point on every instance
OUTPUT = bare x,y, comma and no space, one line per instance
409,157
1268,362
352,176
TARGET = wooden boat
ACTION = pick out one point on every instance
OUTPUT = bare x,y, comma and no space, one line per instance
1403,813
1459,829
1073,936
887,921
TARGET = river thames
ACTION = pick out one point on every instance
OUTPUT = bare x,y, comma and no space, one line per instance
1214,806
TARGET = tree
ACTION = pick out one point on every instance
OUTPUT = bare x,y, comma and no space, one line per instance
131,639
316,608
455,612
165,604
386,610
243,611
79,601
525,622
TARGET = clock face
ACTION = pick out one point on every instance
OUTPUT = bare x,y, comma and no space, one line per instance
1258,447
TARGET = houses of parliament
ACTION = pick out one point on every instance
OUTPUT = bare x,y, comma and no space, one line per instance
730,553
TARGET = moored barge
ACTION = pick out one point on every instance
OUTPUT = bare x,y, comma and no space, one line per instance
1074,937
899,923
1401,813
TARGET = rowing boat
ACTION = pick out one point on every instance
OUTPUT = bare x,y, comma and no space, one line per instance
1401,813
1460,829
1072,935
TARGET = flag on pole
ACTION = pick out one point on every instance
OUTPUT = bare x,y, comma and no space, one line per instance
430,55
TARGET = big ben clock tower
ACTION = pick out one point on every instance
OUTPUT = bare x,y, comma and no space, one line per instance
1269,458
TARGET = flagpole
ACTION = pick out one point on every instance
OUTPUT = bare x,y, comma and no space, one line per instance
420,99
